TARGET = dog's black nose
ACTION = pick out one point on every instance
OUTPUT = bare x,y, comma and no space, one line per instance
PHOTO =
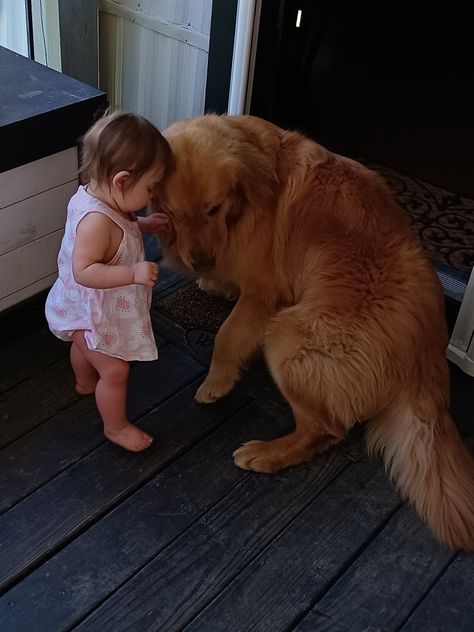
203,264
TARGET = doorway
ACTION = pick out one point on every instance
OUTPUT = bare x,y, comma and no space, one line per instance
388,82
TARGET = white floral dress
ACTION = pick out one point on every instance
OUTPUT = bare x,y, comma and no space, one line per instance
115,321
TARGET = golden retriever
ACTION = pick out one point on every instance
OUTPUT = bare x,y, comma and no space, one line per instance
336,290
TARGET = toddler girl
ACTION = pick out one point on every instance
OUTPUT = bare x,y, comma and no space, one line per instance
101,299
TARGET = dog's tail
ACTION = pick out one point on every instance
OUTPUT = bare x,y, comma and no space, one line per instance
432,467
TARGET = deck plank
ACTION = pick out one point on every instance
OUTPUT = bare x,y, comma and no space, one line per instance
86,571
406,545
173,588
28,349
93,485
275,589
55,445
447,607
35,400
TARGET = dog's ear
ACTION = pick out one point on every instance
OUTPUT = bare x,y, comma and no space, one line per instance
167,239
237,206
257,183
155,205
252,180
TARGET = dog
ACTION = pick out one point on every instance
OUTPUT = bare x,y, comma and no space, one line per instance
337,291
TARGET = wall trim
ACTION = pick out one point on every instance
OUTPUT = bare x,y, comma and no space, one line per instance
245,41
175,31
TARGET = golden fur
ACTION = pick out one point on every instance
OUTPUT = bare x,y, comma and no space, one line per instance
334,287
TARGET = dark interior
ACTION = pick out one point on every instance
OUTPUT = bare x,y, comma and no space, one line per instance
386,82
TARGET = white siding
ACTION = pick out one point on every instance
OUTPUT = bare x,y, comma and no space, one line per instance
153,56
33,200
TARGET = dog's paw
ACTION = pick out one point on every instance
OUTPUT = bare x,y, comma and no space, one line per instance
215,289
256,456
212,390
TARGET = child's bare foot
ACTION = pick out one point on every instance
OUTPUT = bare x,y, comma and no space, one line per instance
86,388
130,437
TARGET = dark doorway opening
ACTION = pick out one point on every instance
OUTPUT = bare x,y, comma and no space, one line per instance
389,82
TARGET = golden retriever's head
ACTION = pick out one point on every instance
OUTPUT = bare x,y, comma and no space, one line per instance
219,171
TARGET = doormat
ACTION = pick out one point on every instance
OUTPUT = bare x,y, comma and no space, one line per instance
191,308
443,221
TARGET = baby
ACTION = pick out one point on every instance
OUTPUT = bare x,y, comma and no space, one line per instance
101,299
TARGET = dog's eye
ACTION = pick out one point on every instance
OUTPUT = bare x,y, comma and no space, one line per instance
214,209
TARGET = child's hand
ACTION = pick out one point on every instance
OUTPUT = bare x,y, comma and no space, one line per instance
145,273
155,223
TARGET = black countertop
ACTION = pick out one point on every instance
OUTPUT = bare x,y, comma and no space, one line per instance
41,111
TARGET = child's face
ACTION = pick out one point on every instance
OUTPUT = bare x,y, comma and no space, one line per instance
136,196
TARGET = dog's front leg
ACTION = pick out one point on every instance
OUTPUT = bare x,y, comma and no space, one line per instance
239,338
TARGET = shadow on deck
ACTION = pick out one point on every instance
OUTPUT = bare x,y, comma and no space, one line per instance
95,538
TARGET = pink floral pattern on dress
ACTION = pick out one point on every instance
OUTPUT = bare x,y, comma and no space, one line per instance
60,262
109,338
146,330
124,304
59,311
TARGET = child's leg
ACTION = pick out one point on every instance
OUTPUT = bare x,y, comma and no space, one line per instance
111,395
86,376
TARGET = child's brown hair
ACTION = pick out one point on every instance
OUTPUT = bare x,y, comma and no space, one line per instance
122,141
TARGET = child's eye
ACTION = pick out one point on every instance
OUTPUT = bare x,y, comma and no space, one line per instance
214,209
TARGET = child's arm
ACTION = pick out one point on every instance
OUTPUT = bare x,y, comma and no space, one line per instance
96,243
154,223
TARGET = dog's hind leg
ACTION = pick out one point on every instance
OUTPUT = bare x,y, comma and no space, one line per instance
321,381
310,436
297,372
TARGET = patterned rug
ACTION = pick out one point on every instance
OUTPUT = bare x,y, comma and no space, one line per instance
443,221
191,308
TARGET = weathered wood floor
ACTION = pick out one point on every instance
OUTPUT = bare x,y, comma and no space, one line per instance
95,538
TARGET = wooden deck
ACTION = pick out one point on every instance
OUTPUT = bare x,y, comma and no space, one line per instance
95,538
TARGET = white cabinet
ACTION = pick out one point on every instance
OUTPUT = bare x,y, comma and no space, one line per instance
33,202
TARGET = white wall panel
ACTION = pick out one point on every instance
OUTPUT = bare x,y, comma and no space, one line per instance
33,201
29,265
34,177
29,219
153,56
